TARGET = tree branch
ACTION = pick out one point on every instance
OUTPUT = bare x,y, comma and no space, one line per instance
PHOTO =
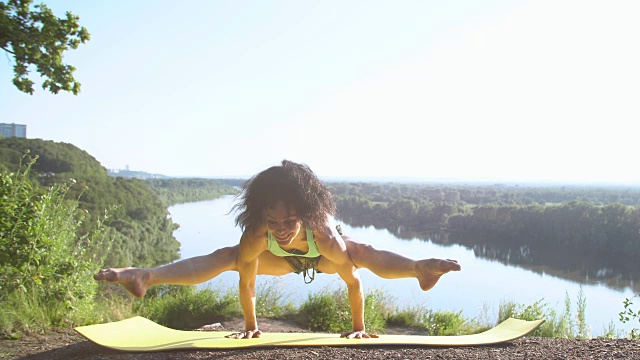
7,50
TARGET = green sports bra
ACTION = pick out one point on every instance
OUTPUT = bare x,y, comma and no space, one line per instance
278,251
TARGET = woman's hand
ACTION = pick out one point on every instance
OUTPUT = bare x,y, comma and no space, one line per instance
247,334
358,335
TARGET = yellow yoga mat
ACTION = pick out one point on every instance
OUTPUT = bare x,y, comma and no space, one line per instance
140,334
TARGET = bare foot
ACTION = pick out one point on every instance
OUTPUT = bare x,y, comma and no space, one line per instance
428,271
135,280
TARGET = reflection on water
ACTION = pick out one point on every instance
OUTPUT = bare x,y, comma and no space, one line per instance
491,274
580,265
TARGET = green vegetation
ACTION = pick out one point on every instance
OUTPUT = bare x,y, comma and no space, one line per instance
126,173
432,322
177,191
329,311
55,160
515,224
62,218
46,278
272,302
60,212
141,233
629,315
596,222
182,307
45,264
36,38
555,325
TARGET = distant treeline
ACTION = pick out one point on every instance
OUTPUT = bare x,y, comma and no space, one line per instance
602,220
178,190
135,174
586,219
237,183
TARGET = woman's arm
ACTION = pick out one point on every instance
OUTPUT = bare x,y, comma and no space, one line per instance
251,246
333,248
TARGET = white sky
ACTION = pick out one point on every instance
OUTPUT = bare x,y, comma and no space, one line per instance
466,90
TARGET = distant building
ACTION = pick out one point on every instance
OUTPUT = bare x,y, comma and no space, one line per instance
13,130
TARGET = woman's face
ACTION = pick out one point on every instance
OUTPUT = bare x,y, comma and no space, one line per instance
283,223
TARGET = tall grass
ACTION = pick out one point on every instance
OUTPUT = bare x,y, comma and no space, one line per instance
272,301
328,310
564,325
583,330
183,307
45,264
434,322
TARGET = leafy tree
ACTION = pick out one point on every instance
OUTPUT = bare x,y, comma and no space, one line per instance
142,232
36,37
40,247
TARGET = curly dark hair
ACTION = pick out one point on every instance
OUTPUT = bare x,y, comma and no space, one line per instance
292,183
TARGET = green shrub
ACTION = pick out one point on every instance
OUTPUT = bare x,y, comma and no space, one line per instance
566,325
44,264
610,332
581,316
629,315
444,323
377,306
329,311
271,301
408,317
536,311
183,307
439,322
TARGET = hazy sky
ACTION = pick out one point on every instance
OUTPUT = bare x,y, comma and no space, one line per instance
469,90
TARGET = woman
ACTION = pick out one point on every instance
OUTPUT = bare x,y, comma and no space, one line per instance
284,214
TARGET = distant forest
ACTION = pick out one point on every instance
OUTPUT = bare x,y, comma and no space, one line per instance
604,221
181,190
138,221
599,220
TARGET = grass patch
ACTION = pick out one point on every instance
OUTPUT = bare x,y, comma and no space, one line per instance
45,262
564,325
329,311
272,302
434,322
184,307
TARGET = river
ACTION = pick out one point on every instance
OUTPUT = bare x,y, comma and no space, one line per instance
477,290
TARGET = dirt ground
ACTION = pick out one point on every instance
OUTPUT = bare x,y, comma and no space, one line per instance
66,344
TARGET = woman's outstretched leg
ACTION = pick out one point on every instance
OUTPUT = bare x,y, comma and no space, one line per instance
185,272
390,265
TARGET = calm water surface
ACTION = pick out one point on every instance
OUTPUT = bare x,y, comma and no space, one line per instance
482,284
